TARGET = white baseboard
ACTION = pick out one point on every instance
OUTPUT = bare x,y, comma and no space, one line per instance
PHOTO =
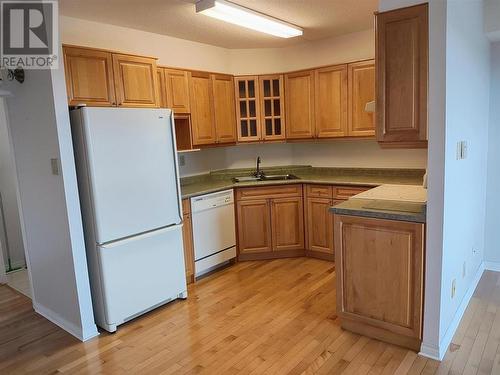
438,353
492,266
429,351
64,324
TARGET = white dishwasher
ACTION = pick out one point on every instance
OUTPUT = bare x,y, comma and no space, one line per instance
214,232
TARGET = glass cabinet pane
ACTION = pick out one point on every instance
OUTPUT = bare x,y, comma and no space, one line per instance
267,88
276,87
244,128
253,128
267,108
251,89
269,126
277,108
243,108
251,108
277,126
242,90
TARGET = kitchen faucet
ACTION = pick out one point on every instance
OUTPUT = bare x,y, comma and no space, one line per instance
258,172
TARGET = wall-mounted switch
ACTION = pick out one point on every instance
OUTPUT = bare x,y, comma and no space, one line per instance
54,165
182,160
453,288
462,150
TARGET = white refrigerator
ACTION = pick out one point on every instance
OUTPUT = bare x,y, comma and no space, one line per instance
129,188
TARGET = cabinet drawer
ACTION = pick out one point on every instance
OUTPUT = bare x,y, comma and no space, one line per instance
345,192
269,192
319,191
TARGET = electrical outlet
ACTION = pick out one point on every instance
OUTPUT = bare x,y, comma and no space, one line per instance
182,160
54,166
464,270
453,288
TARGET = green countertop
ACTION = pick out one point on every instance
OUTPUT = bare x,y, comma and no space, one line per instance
222,180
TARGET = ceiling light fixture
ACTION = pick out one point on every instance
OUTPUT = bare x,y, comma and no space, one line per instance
241,16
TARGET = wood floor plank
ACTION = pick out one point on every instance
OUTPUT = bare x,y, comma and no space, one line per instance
262,317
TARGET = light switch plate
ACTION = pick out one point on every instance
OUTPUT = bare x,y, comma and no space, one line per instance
462,150
54,165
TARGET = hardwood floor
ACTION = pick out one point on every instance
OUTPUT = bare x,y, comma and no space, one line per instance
261,317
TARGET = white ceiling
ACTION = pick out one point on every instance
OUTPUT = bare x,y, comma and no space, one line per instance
319,19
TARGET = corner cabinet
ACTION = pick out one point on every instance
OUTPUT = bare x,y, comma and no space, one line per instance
102,78
247,108
272,97
380,276
270,222
401,51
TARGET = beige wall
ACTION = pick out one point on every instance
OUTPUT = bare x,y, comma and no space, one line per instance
181,53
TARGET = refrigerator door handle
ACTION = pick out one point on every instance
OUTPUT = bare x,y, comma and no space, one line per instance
176,164
110,245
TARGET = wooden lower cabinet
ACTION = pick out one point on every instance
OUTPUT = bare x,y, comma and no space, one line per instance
319,226
287,219
187,238
380,268
254,226
270,222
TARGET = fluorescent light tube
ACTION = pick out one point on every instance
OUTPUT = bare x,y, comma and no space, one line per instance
241,16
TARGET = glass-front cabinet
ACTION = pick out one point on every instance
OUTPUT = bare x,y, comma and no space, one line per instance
247,108
272,111
260,108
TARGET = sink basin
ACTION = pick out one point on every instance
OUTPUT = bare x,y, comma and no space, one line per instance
279,177
271,177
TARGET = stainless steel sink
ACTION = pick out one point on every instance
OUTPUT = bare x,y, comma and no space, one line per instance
279,177
271,177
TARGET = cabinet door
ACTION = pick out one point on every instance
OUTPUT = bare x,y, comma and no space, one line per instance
177,90
162,91
272,107
202,120
361,92
136,81
254,226
299,97
380,281
287,218
319,225
331,101
401,75
247,108
224,110
89,77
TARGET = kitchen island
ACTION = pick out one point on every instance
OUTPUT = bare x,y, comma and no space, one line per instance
379,254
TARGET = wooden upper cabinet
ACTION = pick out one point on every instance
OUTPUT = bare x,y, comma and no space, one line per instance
136,81
176,85
272,96
201,101
299,99
224,109
162,99
402,44
331,101
247,108
361,91
89,77
254,226
287,219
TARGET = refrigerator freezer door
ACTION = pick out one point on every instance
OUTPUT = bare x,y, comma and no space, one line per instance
140,273
131,159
